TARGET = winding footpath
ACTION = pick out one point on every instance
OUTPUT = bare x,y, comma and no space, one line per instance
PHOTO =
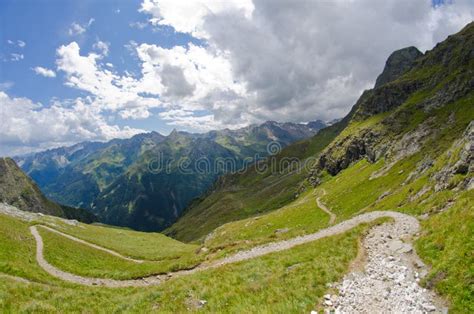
401,220
332,216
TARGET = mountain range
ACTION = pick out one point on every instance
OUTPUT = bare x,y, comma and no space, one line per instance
146,181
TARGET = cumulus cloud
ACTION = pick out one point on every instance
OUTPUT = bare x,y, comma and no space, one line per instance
297,61
28,126
116,93
18,43
4,86
258,60
14,57
101,47
189,78
44,72
189,16
78,29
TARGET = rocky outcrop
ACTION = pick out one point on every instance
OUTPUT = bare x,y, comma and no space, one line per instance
343,153
453,90
464,164
18,190
385,98
398,63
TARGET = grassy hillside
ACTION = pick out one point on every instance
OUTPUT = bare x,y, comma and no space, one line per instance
286,281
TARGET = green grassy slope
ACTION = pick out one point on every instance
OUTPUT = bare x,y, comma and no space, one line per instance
140,245
286,281
409,154
83,260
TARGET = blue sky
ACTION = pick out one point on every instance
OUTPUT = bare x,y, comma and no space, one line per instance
74,71
44,25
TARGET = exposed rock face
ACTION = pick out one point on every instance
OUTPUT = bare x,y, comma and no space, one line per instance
354,149
398,63
464,164
17,189
20,191
431,81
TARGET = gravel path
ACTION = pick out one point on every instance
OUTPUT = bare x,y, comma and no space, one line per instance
56,272
400,219
321,205
389,281
91,245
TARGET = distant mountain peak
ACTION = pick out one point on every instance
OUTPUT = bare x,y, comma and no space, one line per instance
317,124
174,132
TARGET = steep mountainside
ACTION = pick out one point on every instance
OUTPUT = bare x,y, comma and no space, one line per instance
140,182
393,121
407,145
19,190
276,182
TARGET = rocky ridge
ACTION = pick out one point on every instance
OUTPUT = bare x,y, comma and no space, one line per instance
440,77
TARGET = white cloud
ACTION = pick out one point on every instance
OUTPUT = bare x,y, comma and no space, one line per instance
296,61
111,91
16,57
198,71
101,47
189,16
18,43
193,79
138,25
76,29
28,126
79,29
4,86
44,72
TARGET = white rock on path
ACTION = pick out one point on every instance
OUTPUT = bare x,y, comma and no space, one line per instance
389,283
